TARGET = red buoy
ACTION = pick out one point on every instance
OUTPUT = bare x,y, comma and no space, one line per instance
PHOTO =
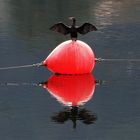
71,90
71,57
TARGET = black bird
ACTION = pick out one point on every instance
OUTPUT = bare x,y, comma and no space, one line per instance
73,29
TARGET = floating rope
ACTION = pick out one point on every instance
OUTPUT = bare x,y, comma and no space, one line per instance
23,66
19,84
129,60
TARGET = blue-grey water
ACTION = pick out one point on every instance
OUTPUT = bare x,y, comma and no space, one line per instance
26,110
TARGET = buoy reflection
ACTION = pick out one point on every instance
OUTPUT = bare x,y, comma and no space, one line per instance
72,91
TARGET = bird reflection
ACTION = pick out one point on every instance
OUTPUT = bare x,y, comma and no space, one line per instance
74,113
72,91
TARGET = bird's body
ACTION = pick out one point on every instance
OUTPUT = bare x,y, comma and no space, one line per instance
73,30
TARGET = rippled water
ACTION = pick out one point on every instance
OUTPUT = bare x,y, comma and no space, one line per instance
29,110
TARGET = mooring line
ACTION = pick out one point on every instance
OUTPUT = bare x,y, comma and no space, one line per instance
109,59
18,84
22,66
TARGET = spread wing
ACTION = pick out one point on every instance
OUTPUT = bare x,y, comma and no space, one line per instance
85,28
60,28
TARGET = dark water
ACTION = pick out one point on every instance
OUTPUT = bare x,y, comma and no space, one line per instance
29,112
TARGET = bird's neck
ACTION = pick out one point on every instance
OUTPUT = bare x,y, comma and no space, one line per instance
73,23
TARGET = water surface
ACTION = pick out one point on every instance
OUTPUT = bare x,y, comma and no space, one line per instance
26,111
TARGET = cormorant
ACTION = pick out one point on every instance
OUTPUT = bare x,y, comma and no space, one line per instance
73,29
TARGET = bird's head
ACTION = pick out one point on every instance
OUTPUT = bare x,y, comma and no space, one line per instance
73,20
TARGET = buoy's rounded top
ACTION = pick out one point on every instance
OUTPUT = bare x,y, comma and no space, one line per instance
71,57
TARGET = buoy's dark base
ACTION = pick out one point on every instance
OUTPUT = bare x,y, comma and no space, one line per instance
71,74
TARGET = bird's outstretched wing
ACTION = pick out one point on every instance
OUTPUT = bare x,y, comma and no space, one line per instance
60,28
85,28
